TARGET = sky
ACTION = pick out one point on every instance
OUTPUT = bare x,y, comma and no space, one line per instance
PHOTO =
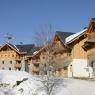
22,18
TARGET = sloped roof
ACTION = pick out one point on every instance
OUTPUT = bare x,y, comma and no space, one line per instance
63,35
27,48
93,19
74,36
11,45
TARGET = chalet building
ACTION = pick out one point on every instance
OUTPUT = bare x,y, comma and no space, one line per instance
82,47
89,47
68,55
73,54
15,57
78,62
54,54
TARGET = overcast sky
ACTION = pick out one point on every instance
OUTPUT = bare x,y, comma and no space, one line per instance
22,18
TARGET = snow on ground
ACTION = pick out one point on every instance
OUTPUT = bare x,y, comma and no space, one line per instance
32,86
12,76
78,87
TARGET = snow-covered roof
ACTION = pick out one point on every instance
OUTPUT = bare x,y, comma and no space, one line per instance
35,52
74,36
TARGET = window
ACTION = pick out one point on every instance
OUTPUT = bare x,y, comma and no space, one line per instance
12,55
45,72
65,68
18,62
92,64
44,65
19,69
37,65
2,62
43,57
10,62
9,68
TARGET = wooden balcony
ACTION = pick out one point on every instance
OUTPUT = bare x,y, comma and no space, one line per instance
35,69
17,65
36,61
18,59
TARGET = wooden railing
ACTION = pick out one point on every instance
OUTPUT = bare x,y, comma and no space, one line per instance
18,58
35,61
17,65
35,69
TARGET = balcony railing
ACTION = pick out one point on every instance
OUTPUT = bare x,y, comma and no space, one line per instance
35,61
35,69
18,58
17,65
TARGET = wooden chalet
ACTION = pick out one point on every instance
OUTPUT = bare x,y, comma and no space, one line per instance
59,52
82,46
15,57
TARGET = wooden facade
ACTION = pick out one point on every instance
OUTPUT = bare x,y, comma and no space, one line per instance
83,52
15,57
59,54
8,58
91,47
73,59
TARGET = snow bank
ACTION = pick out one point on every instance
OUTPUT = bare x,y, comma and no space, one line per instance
30,86
12,76
34,86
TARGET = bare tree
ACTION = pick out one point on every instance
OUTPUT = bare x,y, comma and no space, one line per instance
44,35
44,38
51,85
